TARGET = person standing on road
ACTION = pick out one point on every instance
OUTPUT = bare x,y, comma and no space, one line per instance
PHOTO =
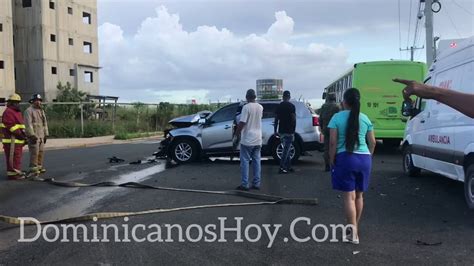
14,136
352,144
37,133
284,127
250,131
327,111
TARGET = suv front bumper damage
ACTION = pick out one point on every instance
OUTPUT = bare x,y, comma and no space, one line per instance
164,148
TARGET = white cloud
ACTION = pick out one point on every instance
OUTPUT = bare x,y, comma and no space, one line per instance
162,58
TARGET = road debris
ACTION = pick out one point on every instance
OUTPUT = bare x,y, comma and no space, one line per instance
355,252
115,159
423,243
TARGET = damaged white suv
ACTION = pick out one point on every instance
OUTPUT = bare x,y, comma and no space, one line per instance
211,135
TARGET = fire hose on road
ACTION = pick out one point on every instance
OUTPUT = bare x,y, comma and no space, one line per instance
265,199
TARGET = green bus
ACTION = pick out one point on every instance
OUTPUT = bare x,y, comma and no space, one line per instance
381,98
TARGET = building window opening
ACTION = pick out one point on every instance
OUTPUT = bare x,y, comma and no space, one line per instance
87,47
86,18
26,3
88,77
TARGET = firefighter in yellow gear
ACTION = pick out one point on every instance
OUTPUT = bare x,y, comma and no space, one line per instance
13,137
37,134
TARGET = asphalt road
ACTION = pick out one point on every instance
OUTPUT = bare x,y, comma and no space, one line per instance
399,211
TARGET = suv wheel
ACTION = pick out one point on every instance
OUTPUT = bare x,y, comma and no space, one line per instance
295,152
184,151
408,168
469,186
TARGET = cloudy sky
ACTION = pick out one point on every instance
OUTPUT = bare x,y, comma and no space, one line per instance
210,50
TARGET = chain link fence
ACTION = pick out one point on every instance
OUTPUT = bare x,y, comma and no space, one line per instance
124,120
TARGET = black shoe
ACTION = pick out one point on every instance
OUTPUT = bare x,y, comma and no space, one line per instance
255,188
282,171
242,188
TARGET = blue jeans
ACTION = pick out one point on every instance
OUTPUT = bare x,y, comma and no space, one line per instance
285,161
248,153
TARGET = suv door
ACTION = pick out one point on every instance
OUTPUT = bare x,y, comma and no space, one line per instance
268,120
217,132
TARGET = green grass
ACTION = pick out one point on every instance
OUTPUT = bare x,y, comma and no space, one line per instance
132,121
126,136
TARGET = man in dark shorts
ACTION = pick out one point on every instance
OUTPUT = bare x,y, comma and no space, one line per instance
285,124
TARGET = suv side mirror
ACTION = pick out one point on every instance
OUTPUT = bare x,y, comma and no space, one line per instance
407,108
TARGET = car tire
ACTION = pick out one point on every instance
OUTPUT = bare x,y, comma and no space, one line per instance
469,186
408,168
276,150
184,151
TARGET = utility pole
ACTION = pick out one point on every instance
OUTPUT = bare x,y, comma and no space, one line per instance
429,32
412,51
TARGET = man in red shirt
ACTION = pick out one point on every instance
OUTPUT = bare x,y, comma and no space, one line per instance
14,137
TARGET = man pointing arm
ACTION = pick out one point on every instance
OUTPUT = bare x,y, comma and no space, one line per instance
463,102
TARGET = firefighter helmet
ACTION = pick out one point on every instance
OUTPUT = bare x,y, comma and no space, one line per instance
14,98
35,97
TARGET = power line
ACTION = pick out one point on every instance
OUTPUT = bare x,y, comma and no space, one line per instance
452,22
409,23
413,47
399,30
463,8
415,39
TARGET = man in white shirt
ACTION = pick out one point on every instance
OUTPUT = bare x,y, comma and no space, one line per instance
250,129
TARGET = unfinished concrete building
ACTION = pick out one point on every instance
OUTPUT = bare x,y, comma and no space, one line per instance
55,41
7,78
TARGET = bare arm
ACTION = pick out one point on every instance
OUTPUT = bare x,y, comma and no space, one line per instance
240,126
371,141
455,99
332,145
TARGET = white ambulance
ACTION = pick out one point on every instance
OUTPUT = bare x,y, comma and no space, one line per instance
438,138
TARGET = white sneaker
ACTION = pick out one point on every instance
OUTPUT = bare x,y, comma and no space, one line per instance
349,238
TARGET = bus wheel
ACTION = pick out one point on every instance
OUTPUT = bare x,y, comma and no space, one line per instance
408,168
392,143
469,186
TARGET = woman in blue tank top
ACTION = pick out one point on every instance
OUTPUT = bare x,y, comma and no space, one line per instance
352,143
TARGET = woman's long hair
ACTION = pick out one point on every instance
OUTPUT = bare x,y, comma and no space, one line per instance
352,99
